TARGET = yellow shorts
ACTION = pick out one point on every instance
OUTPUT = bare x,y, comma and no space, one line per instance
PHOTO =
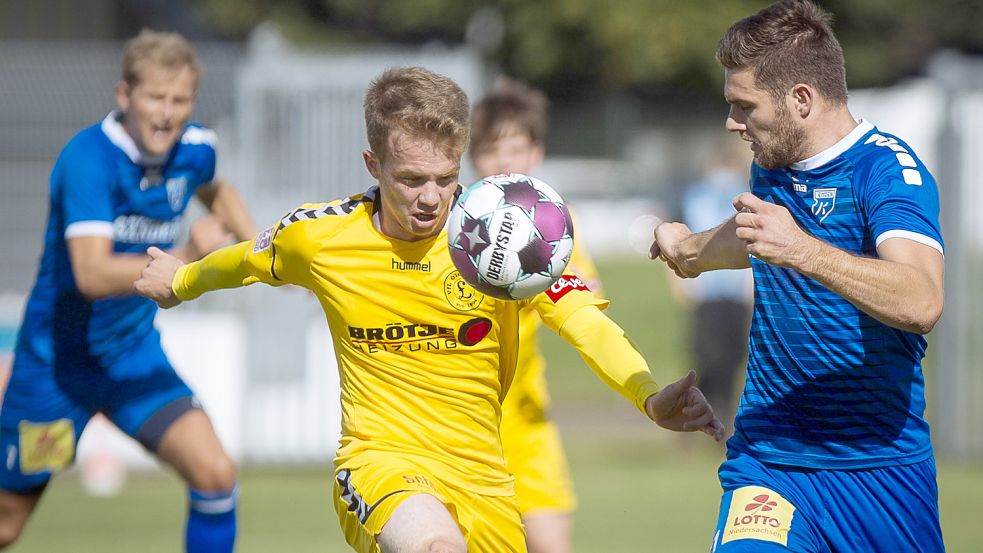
534,454
366,497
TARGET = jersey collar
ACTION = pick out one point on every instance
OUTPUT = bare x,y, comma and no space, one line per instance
829,154
114,131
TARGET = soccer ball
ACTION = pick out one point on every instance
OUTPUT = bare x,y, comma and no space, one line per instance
510,236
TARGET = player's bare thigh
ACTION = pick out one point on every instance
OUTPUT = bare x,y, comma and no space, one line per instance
548,532
192,448
421,524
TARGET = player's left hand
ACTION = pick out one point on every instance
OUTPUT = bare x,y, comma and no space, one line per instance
681,406
156,278
770,232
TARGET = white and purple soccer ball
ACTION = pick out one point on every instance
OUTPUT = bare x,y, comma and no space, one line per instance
510,236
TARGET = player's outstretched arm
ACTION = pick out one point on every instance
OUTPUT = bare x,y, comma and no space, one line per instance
168,281
604,347
681,406
689,254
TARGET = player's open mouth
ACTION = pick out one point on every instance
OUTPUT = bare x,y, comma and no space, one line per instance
425,218
160,132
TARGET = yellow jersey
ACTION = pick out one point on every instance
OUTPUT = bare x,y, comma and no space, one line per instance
424,359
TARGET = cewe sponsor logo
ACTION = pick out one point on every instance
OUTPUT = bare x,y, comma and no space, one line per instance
564,286
758,513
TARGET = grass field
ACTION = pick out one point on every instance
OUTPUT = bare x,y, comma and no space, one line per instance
640,489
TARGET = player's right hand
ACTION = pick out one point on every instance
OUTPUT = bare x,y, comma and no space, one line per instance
682,407
664,247
155,280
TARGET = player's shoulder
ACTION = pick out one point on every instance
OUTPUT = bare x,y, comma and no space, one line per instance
196,146
90,141
333,213
880,153
196,134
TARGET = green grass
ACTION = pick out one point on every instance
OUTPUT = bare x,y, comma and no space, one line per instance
640,488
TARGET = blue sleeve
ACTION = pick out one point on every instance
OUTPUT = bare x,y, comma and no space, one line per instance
901,201
85,180
202,142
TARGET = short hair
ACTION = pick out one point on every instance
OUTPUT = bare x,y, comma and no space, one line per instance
419,102
511,104
786,43
158,49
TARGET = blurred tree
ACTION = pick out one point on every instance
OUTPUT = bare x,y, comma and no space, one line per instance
618,43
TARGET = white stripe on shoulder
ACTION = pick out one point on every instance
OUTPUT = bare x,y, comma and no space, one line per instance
199,135
89,228
907,234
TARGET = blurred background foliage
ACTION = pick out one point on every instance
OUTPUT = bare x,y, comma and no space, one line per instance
637,45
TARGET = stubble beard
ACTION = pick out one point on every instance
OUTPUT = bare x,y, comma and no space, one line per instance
788,145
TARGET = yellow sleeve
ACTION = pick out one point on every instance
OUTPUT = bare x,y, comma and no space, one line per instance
220,269
570,309
604,347
279,255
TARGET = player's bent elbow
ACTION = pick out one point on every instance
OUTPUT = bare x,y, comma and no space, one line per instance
924,317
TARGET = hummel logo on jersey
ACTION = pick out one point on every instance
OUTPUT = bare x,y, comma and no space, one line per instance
344,207
410,266
152,176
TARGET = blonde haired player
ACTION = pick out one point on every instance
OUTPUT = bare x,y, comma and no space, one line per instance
87,344
508,127
425,360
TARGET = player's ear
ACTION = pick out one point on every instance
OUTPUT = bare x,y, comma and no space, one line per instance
123,95
372,163
802,98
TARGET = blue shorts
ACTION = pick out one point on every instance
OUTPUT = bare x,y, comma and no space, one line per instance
777,508
47,405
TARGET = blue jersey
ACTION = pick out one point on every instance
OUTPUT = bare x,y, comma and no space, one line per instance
102,186
828,386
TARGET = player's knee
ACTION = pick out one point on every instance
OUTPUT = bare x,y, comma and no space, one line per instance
218,473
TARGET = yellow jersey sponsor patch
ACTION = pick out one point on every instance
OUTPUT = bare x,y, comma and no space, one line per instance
46,446
758,513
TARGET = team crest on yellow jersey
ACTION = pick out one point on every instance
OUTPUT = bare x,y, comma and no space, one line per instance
461,295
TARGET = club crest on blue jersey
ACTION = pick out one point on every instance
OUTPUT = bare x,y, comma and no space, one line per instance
823,202
176,189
